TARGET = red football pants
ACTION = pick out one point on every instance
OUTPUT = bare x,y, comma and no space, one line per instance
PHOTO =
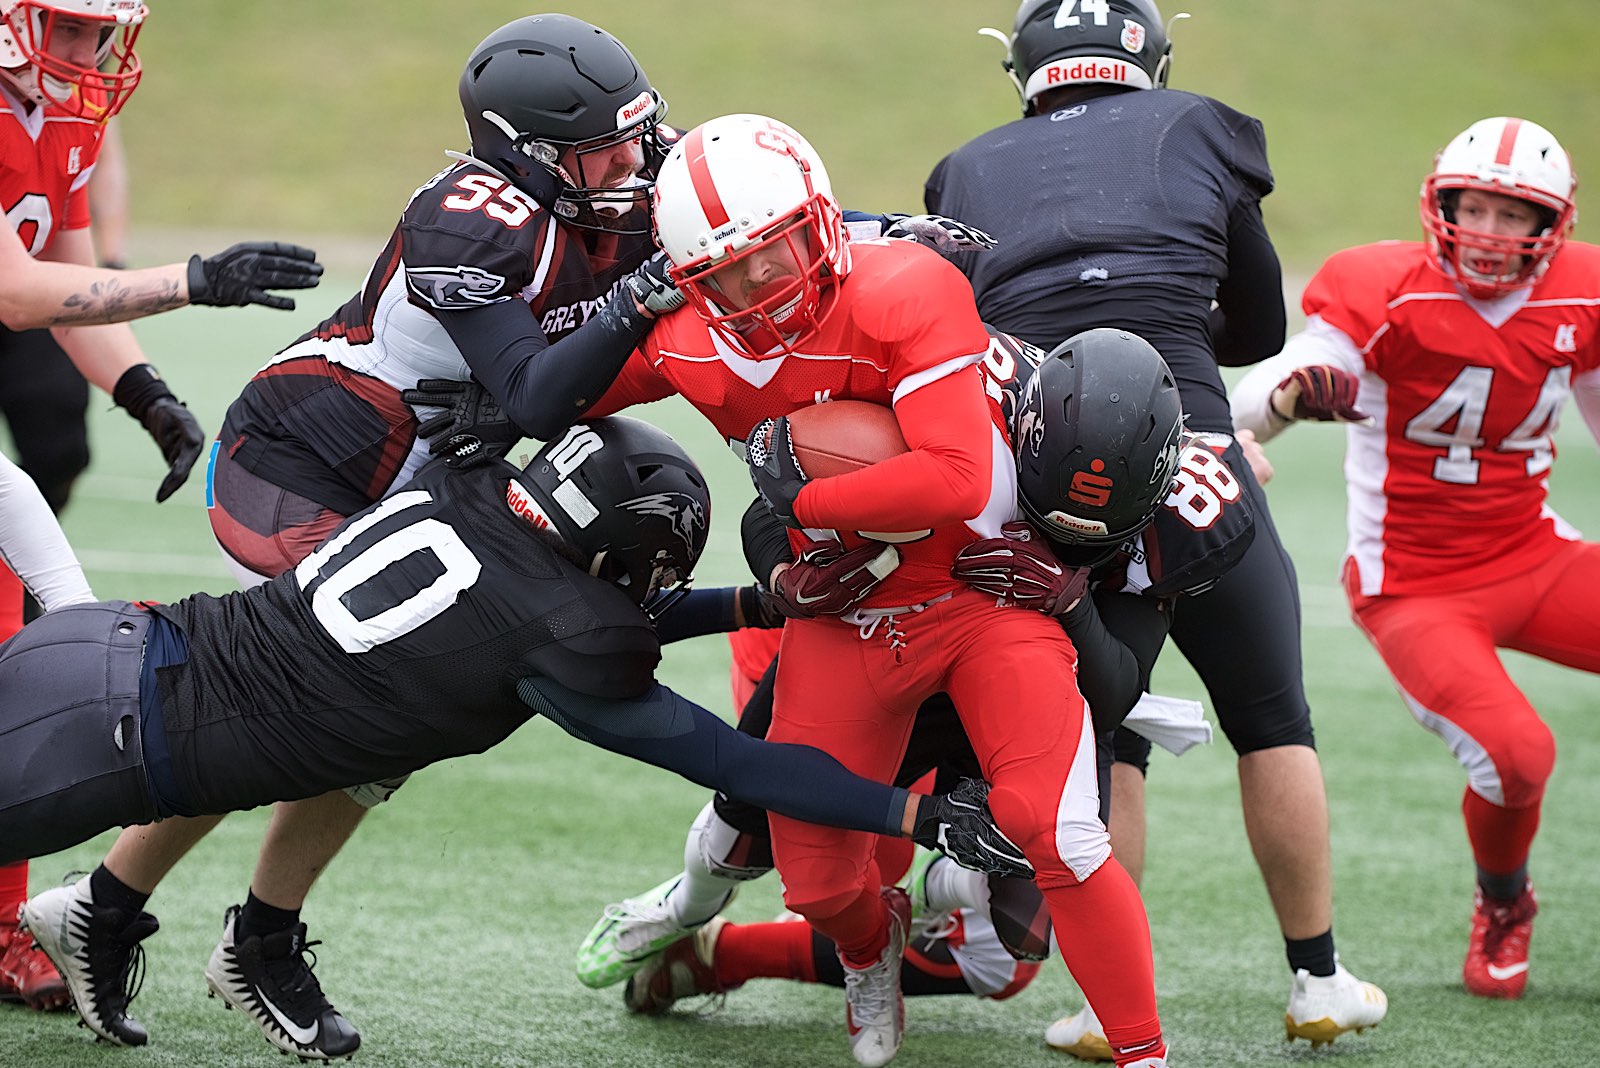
853,691
1441,652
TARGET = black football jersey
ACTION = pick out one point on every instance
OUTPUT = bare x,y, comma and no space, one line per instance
1112,212
1201,529
398,642
325,418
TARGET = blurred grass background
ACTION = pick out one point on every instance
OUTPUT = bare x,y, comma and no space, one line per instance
315,117
451,919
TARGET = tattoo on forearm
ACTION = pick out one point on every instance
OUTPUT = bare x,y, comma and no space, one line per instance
114,302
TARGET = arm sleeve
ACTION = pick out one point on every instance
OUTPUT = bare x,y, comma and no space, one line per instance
1118,636
698,613
671,732
1319,343
33,546
1249,321
945,478
544,388
766,540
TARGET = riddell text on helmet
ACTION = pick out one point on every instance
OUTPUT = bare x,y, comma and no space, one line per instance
1085,70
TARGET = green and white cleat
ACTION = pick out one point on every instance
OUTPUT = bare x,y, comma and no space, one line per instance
629,933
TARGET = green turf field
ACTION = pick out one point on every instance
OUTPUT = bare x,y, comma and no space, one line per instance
452,917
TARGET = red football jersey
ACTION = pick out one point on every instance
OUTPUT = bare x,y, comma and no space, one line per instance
45,162
904,319
1449,488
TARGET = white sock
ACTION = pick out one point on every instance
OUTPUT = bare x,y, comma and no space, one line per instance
950,887
704,890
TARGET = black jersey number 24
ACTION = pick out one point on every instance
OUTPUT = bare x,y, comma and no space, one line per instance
386,573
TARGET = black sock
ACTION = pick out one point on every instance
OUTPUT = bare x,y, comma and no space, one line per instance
1507,887
259,919
108,891
1315,955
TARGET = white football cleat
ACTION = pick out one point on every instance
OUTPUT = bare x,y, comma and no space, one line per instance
874,1008
1081,1035
1323,1007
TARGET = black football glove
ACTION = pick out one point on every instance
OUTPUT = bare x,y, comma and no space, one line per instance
1324,393
774,469
960,825
143,394
471,430
653,289
243,273
938,232
826,580
1019,568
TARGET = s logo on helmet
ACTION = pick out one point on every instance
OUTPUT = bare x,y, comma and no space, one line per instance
1090,489
1133,35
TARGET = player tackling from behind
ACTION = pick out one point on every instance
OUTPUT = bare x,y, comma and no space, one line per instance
1450,361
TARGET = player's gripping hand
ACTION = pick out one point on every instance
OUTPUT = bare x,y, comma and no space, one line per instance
471,430
653,289
827,580
1320,392
774,468
243,273
1019,568
144,395
960,825
938,232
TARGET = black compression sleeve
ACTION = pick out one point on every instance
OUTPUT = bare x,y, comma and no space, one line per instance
1249,323
697,613
766,540
674,733
1117,636
544,388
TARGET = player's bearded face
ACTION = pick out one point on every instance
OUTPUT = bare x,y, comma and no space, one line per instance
614,166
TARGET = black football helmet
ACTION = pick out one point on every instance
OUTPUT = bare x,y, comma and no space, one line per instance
1116,42
545,84
1097,442
629,500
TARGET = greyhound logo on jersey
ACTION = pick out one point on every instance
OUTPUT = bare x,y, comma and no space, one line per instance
683,511
453,288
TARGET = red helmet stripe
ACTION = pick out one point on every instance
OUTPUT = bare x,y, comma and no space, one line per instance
1508,141
694,153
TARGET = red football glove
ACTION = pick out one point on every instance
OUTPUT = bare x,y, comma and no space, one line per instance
1324,393
827,580
1019,568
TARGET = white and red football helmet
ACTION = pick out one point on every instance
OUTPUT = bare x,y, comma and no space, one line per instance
94,90
734,186
1514,158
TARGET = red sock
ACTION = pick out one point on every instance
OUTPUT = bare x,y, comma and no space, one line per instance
894,858
13,877
1104,937
1501,837
861,929
764,951
13,890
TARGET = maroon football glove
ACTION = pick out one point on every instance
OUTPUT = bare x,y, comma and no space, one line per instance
1019,568
1326,394
827,580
